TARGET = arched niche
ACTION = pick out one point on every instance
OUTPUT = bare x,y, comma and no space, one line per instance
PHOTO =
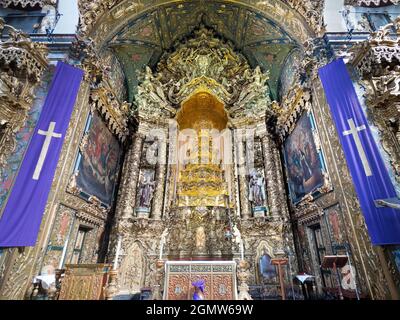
133,269
108,24
156,27
264,249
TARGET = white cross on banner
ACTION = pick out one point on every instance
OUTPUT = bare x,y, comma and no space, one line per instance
45,148
23,212
354,132
371,179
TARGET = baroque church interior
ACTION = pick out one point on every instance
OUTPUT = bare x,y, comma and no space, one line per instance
195,151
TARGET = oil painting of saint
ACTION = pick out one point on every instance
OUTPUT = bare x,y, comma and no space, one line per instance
98,168
303,162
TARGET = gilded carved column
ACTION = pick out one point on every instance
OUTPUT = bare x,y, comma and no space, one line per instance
234,195
160,181
122,202
243,185
270,174
280,183
131,176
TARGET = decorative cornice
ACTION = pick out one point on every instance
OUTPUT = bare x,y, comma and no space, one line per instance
20,55
114,112
26,3
297,100
382,49
92,206
370,3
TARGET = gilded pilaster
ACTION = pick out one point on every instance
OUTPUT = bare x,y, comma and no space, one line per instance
280,183
243,184
270,177
133,173
160,182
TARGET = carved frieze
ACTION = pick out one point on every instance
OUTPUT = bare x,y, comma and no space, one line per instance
92,208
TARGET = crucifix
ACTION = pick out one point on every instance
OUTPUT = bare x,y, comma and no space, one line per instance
49,134
354,132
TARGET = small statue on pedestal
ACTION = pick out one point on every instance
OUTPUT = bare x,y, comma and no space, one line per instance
257,189
146,192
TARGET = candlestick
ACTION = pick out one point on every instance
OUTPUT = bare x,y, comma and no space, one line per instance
64,252
117,253
161,249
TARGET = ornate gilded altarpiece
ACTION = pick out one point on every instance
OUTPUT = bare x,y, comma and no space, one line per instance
263,33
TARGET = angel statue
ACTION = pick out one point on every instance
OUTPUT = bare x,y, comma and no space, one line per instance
163,241
237,238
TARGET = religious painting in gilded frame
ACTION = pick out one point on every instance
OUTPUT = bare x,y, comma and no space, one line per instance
305,165
96,169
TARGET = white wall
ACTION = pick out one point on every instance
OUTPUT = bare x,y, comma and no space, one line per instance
335,21
333,16
70,17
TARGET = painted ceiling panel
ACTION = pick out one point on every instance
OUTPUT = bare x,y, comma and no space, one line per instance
133,59
260,29
145,29
271,57
143,40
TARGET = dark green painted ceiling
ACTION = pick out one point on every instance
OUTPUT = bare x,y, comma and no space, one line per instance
142,41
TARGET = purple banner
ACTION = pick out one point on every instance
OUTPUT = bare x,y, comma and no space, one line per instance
370,176
20,221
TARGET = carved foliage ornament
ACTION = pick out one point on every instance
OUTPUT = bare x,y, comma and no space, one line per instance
90,11
377,62
24,57
312,11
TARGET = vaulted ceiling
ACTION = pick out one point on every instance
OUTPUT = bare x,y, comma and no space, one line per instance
143,40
